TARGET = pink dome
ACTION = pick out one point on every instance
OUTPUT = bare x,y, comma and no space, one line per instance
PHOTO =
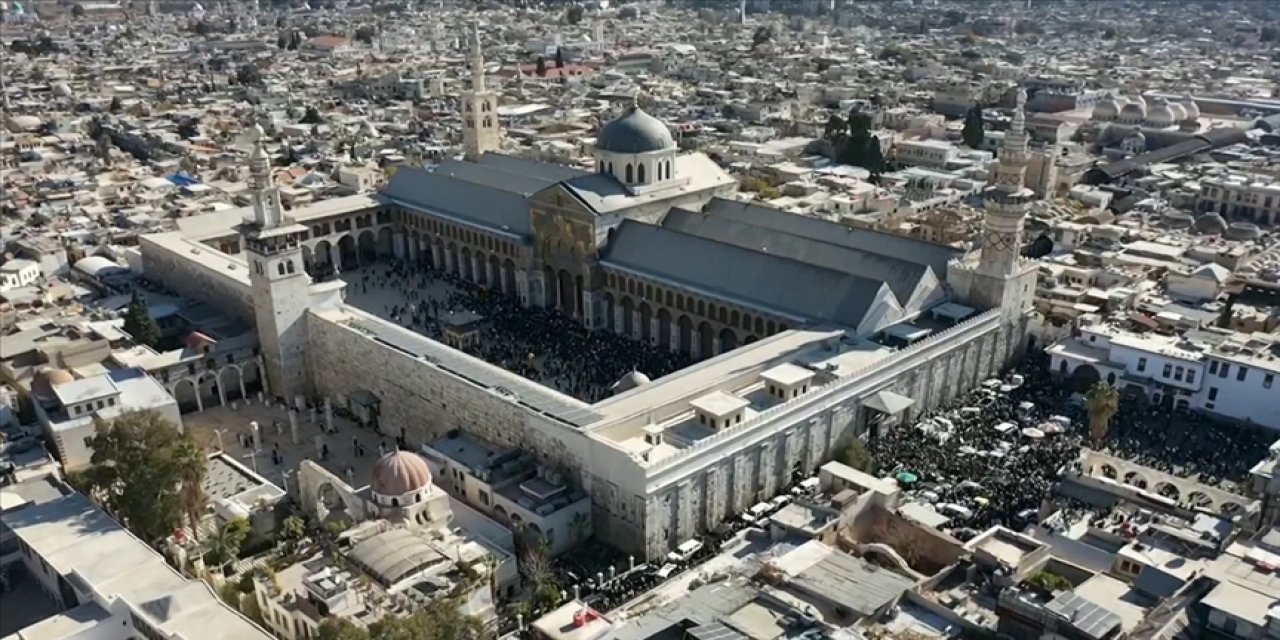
400,472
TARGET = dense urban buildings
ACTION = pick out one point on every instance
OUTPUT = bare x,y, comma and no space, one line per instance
685,320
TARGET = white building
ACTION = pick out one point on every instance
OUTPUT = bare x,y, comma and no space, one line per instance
1241,197
18,273
1228,374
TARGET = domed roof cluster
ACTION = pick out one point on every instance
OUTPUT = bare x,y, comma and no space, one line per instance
635,132
1160,114
398,473
1211,224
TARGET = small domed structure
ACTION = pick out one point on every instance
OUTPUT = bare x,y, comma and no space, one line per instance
62,90
1160,116
399,473
1192,109
1133,113
635,132
629,382
1179,111
49,378
1175,219
1211,224
1107,109
1243,231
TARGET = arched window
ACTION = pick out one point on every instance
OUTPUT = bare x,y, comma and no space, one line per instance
630,174
640,173
610,167
289,266
395,502
280,267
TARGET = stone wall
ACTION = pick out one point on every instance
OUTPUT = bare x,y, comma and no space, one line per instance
213,277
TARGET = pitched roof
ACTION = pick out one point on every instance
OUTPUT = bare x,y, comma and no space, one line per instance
758,279
913,250
902,276
492,177
548,171
454,198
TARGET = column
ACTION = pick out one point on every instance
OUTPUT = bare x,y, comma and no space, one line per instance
398,245
654,327
328,415
524,287
675,335
293,426
222,393
243,396
199,399
636,322
476,266
588,310
438,254
695,343
619,316
715,345
335,257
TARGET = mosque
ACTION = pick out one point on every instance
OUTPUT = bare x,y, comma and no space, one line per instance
1134,126
806,333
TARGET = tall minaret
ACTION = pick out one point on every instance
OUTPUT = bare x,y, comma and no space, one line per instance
1000,278
479,109
278,281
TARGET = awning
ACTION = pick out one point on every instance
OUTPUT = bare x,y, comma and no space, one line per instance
888,402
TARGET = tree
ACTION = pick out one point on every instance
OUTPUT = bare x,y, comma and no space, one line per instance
541,67
115,105
139,323
191,463
762,35
874,158
855,455
859,124
835,128
312,116
188,128
973,133
366,34
249,73
77,11
440,620
291,532
225,544
559,57
574,14
578,526
1102,401
137,472
752,184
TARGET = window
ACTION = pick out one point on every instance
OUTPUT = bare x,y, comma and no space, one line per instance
1240,375
1177,374
484,498
1213,367
1213,393
1062,367
1267,380
1168,370
1191,375
1142,364
1111,378
1226,367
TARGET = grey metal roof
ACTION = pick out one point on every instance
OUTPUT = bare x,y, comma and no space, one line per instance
852,582
902,276
523,391
934,255
469,202
757,279
602,193
635,132
1089,617
491,177
393,555
545,171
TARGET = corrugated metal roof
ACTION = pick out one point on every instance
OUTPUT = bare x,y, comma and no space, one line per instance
852,582
1087,616
454,198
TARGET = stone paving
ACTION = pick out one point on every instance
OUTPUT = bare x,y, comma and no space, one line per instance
228,428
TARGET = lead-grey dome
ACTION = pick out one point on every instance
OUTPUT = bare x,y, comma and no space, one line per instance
635,132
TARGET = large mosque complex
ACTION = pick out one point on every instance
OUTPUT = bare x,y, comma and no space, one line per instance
805,333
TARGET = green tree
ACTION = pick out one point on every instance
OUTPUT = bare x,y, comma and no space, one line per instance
440,620
574,14
139,323
835,128
752,184
191,463
874,158
973,133
77,11
855,455
1102,402
137,472
225,544
115,105
291,532
859,123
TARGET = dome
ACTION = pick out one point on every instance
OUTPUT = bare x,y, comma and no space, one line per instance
1134,112
629,382
1211,224
398,473
1179,111
62,90
1193,109
1160,115
1243,231
1178,219
47,379
635,132
1107,108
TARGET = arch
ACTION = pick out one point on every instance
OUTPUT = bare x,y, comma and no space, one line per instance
495,273
1108,471
452,257
728,340
1230,509
1200,500
509,277
308,260
577,296
1168,490
751,338
607,303
706,340
664,329
628,317
551,288
330,498
207,385
646,323
630,173
347,252
1084,376
564,288
685,326
251,377
322,258
640,173
464,264
386,242
184,393
368,243
759,325
482,268
1136,479
232,382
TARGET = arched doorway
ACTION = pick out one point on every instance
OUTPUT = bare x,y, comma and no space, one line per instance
482,268
452,257
465,265
322,258
628,317
184,393
347,252
607,302
1083,377
251,374
368,247
646,323
229,378
208,389
495,274
564,291
386,243
728,340
706,340
509,278
685,326
664,329
308,260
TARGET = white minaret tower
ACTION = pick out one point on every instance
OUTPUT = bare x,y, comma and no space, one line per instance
1000,277
480,132
278,281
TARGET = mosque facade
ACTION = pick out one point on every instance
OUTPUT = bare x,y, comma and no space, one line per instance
807,333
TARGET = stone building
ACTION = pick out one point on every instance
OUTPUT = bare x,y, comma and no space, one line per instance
807,333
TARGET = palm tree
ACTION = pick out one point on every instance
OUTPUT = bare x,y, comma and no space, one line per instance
578,526
191,464
1102,401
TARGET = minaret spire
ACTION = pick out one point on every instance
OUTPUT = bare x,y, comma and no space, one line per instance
477,60
267,208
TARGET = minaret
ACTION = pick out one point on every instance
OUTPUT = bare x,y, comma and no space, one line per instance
479,109
1000,278
278,281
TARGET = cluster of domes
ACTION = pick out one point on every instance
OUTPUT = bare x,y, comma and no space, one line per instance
1160,114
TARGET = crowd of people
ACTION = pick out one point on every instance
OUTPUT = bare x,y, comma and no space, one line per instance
987,459
540,344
